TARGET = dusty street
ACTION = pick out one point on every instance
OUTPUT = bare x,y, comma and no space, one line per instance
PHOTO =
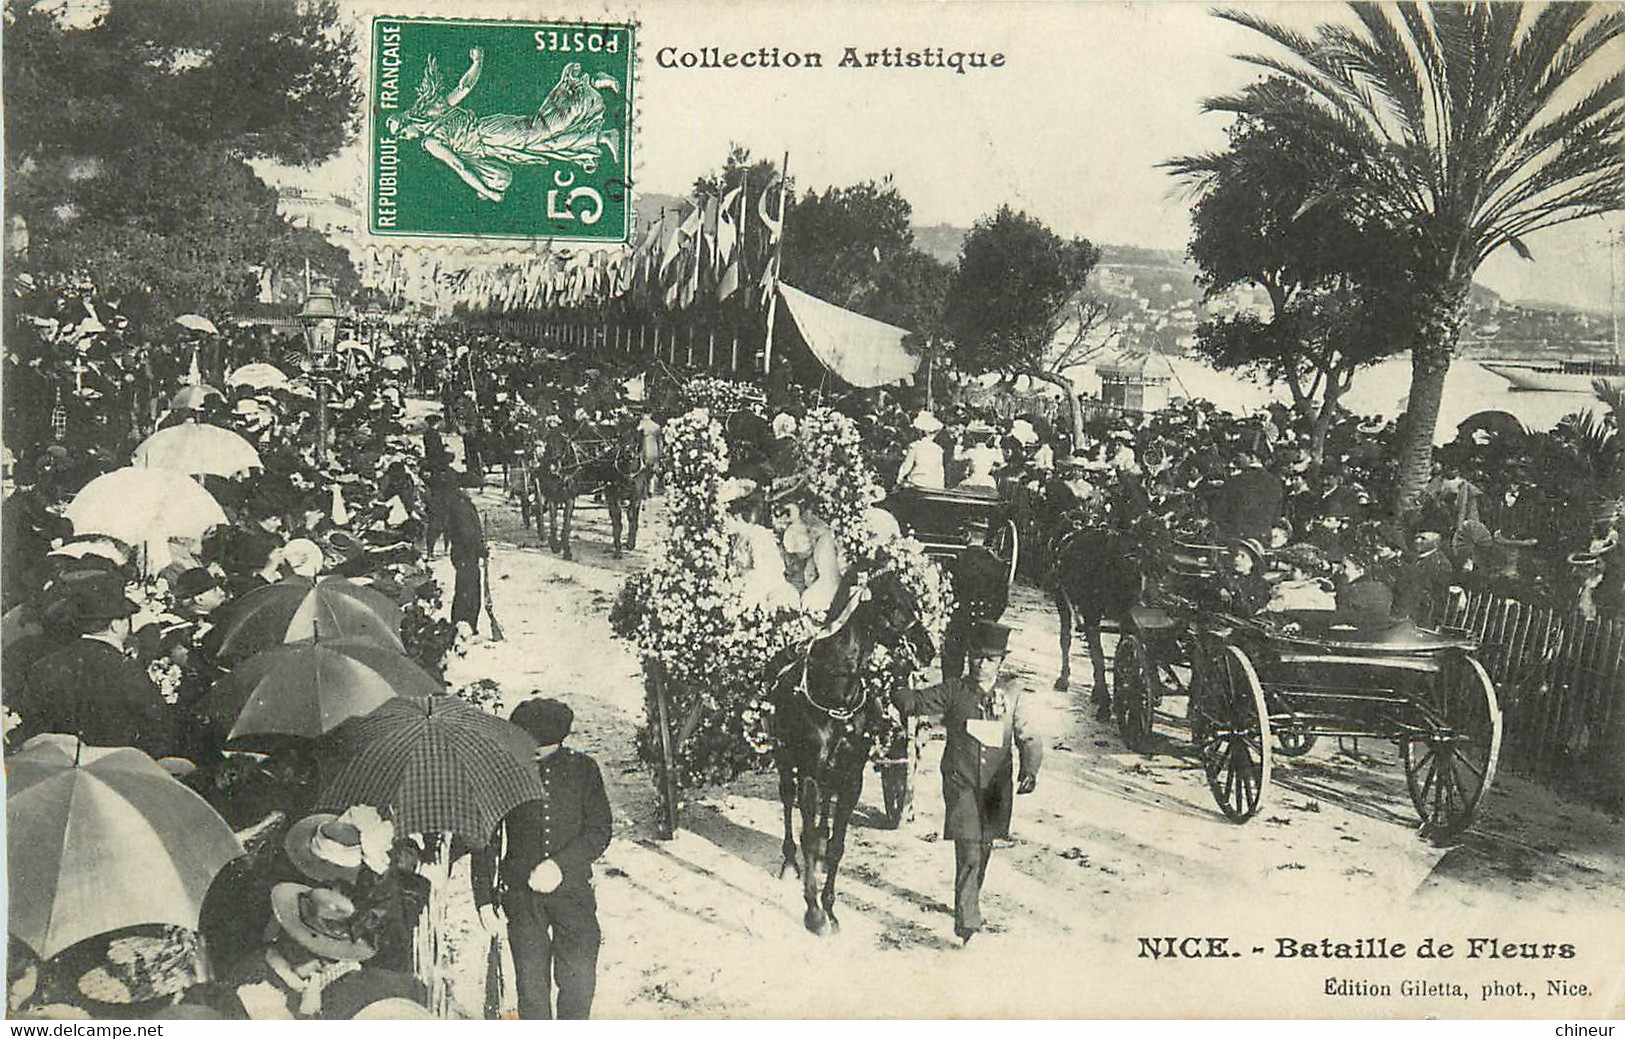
1113,847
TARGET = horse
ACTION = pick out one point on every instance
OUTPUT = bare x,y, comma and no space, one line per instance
824,723
596,458
1095,575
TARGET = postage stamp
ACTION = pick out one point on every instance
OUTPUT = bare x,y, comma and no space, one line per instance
500,129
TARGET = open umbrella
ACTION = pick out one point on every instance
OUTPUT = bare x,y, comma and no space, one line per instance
396,363
198,448
308,688
439,765
298,609
1495,423
102,838
354,344
192,398
197,323
259,376
138,505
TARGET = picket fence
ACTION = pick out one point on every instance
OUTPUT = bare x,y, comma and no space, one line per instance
1560,679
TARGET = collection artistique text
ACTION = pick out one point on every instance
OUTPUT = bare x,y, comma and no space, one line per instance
961,62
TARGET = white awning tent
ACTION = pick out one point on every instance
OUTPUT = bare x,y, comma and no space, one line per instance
858,349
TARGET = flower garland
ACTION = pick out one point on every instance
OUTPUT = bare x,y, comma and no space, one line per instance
723,397
846,494
686,614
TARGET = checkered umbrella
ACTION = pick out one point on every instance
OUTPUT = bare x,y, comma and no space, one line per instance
438,765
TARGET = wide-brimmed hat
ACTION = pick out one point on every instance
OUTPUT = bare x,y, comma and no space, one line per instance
94,595
324,848
195,582
784,424
926,422
1023,432
319,919
304,557
1252,549
788,488
1505,540
1371,427
980,427
547,720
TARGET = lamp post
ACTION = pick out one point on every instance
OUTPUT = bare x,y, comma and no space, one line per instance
320,320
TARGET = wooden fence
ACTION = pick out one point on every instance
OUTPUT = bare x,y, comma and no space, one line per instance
1560,679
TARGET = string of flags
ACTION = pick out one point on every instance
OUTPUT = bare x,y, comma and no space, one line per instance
707,250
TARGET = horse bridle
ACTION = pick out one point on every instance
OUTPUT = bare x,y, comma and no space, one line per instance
858,596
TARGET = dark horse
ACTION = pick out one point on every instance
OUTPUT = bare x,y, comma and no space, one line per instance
1094,576
595,459
824,723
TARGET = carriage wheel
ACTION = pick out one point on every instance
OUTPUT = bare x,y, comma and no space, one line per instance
1449,767
1133,697
1235,726
1006,544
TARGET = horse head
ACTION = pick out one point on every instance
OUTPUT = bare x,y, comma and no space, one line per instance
886,611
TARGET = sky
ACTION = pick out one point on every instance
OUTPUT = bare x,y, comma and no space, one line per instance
1092,96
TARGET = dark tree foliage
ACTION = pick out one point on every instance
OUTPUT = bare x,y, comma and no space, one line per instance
1270,213
854,247
128,141
1018,287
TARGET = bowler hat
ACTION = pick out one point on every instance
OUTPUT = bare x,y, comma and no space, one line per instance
990,639
195,582
547,720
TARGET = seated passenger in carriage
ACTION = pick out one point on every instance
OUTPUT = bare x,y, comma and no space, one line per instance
754,553
981,458
813,560
922,465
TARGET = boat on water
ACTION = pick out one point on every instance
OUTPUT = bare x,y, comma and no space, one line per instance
1568,375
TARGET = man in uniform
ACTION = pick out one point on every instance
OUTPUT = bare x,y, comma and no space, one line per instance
544,884
981,592
987,728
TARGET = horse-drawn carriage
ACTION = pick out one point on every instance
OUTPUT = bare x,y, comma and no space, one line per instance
1293,676
938,520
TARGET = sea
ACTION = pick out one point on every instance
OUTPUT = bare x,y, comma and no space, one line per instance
1384,388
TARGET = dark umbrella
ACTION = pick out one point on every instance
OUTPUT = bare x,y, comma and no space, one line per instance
1495,423
439,765
309,688
298,609
102,838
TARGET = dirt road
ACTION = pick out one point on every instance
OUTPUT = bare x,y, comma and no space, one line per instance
1112,848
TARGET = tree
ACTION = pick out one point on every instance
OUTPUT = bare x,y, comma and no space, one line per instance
1267,214
1470,127
128,141
854,247
1015,304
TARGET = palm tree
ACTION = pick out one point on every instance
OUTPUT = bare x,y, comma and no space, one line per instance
1474,125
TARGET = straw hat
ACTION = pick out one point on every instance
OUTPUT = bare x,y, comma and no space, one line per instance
319,919
324,848
926,422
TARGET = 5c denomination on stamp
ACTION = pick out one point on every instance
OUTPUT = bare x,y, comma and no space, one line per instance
500,129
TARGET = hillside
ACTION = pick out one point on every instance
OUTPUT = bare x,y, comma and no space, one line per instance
1156,300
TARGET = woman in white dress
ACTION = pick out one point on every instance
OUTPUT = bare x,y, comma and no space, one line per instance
754,553
922,462
980,456
813,558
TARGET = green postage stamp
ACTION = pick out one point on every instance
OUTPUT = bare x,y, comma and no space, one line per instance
500,129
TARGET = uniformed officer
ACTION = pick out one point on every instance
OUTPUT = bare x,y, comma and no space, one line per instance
981,593
985,720
544,884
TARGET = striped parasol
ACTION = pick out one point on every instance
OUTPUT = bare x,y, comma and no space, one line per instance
438,765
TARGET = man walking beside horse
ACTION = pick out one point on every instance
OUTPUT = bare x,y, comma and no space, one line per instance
988,731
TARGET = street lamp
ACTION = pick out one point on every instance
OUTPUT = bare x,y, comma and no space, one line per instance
320,320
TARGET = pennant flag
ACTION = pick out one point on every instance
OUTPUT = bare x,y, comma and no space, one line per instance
775,225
